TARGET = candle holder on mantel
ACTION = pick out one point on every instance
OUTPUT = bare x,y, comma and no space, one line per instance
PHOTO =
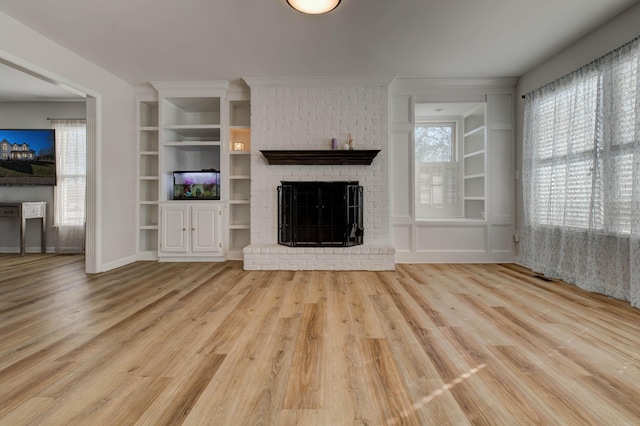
238,146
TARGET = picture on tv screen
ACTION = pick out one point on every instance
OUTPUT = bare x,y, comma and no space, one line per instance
27,157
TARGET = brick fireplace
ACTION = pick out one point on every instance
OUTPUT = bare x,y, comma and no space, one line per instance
305,114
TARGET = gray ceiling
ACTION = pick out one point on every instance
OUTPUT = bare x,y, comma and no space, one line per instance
143,40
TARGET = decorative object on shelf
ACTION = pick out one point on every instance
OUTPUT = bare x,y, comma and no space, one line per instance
346,146
320,157
350,142
238,146
314,7
334,144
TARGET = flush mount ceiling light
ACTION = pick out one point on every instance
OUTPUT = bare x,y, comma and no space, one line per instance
314,7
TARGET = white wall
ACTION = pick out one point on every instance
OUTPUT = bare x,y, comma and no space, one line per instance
115,168
608,37
31,115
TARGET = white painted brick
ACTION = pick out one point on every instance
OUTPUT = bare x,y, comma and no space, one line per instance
307,118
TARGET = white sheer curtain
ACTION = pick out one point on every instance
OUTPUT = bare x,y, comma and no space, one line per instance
581,177
69,195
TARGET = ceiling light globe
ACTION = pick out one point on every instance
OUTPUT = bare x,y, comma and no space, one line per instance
314,7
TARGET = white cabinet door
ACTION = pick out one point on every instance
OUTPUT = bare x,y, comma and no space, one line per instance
205,229
191,230
175,229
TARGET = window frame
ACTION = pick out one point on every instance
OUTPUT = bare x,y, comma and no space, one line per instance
454,202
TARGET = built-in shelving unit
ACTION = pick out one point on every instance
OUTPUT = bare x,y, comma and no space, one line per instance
192,128
474,157
239,145
147,174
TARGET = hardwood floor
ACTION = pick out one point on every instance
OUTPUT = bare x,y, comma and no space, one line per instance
211,344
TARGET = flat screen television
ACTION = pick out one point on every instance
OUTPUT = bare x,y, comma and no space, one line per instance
27,157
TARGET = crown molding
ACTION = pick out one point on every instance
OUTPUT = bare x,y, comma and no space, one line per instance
238,92
255,82
190,88
458,82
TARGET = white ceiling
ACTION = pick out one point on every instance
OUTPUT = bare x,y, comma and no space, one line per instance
19,86
447,109
144,40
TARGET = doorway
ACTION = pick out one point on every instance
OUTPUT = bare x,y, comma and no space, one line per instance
18,84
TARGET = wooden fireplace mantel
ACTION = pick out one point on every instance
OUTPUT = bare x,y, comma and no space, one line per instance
320,157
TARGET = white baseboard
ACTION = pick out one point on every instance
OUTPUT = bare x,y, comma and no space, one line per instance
118,263
34,249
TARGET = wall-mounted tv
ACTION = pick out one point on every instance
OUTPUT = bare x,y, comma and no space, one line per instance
27,157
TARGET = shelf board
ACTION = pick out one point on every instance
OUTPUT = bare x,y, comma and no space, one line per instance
474,131
149,128
475,219
239,152
148,203
148,254
192,142
474,198
444,220
186,145
191,126
240,226
196,131
473,154
148,227
148,152
239,201
148,177
235,254
320,157
479,175
239,177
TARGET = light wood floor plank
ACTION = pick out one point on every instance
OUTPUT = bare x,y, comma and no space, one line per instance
211,344
306,381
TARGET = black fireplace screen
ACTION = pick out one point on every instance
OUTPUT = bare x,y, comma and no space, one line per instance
320,214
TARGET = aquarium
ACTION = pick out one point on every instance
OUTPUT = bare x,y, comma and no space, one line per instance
196,185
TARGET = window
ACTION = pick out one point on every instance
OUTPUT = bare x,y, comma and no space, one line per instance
581,137
581,176
69,202
435,142
566,129
436,168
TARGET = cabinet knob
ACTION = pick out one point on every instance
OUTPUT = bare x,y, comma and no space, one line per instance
184,229
193,229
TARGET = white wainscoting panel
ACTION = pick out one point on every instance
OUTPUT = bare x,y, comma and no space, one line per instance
500,109
501,238
402,238
451,238
400,153
501,178
401,110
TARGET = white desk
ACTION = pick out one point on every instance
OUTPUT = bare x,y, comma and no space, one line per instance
23,211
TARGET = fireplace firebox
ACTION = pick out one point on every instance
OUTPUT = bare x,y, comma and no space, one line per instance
320,214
